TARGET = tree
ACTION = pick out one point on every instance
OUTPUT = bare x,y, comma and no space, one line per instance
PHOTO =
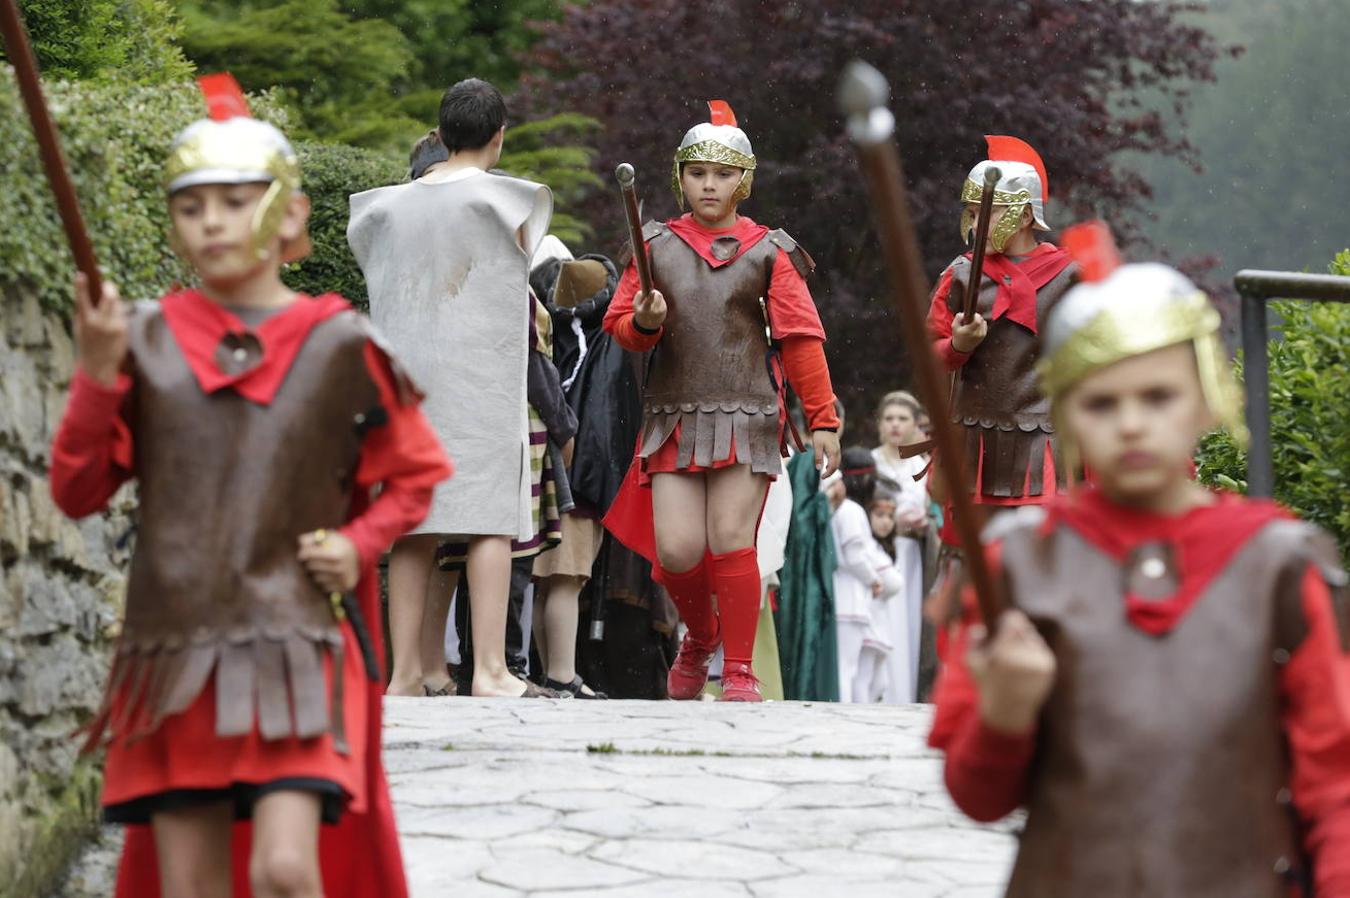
338,73
132,41
1309,404
1070,76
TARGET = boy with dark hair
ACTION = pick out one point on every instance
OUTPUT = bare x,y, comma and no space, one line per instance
1171,698
257,423
446,259
472,113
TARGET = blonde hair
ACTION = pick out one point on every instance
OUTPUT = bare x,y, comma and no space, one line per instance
899,397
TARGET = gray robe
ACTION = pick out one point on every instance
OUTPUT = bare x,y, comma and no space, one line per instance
446,264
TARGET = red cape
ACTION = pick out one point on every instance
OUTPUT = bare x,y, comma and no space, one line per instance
360,856
1019,281
199,325
1203,540
700,238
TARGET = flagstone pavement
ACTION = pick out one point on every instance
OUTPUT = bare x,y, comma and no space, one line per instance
545,799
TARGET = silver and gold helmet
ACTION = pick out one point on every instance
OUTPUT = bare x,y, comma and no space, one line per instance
232,147
1119,311
1022,183
716,140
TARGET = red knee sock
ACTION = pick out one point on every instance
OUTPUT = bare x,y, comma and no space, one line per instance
692,594
735,578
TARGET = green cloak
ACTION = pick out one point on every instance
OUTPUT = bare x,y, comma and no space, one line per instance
805,617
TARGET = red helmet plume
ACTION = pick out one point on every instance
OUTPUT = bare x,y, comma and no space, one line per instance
224,98
719,113
1014,149
1094,249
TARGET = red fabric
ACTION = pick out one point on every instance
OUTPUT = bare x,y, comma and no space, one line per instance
986,772
92,451
691,591
360,856
1016,301
1203,541
1018,281
792,311
809,375
735,577
700,238
198,326
1315,689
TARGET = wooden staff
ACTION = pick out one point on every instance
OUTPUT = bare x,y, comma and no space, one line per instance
863,93
991,176
20,54
626,177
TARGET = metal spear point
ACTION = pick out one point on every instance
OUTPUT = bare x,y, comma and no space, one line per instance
863,93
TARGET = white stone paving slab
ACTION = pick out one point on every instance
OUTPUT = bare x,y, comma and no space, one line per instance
539,799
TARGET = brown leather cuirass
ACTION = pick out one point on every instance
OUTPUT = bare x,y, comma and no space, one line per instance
226,488
708,374
997,400
1160,765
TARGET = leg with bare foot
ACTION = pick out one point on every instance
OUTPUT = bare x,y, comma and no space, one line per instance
410,566
192,846
440,590
284,862
489,572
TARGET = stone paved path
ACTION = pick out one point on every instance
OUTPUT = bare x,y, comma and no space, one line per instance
537,799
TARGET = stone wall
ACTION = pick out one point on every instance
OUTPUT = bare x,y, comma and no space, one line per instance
61,586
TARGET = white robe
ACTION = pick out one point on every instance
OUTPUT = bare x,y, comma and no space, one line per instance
446,263
906,615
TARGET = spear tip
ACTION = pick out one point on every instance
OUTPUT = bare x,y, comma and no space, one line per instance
625,174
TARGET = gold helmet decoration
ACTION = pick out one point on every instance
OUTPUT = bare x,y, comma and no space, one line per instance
229,146
716,140
1119,311
1023,184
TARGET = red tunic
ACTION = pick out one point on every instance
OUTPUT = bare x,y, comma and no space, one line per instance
793,322
92,456
987,771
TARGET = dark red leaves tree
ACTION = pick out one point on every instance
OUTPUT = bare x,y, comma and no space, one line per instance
1081,80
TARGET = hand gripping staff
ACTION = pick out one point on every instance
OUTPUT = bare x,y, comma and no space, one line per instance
627,177
863,93
991,176
20,54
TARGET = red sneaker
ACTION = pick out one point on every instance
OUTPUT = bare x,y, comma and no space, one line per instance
689,673
739,684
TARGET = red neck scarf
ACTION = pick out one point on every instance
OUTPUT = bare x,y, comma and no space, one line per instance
700,238
1203,540
199,326
1019,281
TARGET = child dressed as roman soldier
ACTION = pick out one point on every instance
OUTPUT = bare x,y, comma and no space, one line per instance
257,423
1170,700
713,404
1009,437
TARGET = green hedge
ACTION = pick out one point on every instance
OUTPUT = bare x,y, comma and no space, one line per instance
115,138
1309,411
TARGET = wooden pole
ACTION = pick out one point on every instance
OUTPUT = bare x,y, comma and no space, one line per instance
863,93
20,54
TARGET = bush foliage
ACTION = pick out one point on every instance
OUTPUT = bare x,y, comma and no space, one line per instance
1309,407
116,162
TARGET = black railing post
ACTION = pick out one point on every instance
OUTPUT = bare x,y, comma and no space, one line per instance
1256,379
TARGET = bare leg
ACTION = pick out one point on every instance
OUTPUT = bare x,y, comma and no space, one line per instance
560,619
679,505
489,590
285,859
193,848
440,590
410,566
735,498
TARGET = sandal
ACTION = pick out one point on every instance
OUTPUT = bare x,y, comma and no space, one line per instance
576,689
447,690
533,691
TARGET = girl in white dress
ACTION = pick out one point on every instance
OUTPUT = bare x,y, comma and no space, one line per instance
897,426
883,674
856,581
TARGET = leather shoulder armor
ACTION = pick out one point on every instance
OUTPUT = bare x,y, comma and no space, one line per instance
801,259
653,229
